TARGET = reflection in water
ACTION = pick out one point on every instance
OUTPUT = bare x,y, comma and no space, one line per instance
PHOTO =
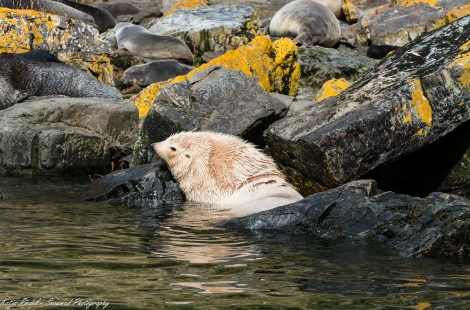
56,248
190,236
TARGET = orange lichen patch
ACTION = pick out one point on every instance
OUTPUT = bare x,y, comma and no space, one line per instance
418,107
420,103
463,61
465,47
145,98
422,306
331,88
457,13
272,64
184,4
407,3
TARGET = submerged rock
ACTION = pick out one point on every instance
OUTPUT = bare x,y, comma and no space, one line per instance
145,185
432,226
412,98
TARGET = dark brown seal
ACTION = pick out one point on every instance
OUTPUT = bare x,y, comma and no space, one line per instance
21,78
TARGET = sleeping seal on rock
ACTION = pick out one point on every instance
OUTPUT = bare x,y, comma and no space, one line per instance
21,78
141,42
308,22
222,169
154,71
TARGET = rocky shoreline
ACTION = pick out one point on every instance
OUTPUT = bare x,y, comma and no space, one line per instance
325,134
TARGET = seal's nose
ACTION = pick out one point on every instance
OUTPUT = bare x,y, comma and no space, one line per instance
153,145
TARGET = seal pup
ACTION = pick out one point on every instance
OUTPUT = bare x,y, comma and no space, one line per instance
308,22
141,42
48,6
21,78
222,169
154,71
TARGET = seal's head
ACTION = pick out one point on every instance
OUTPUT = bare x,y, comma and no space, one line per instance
177,152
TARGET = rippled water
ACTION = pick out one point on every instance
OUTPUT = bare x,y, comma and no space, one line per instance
57,252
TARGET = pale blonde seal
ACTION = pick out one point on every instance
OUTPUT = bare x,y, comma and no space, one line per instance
223,169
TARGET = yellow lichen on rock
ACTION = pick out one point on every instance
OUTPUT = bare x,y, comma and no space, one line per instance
145,98
462,61
274,65
183,4
418,107
72,41
457,13
407,3
331,88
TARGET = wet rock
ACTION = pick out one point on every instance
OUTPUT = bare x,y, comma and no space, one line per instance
72,41
214,99
433,226
212,28
144,186
411,99
65,136
273,64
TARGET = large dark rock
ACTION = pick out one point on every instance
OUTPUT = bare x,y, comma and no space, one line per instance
144,185
436,225
213,99
410,99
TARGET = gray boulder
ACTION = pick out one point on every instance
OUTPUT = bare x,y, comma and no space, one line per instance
320,64
410,99
59,136
213,99
437,225
213,28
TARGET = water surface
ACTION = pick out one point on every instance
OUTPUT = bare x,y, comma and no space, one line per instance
58,252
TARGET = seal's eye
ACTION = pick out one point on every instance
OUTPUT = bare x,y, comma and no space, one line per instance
187,155
173,149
